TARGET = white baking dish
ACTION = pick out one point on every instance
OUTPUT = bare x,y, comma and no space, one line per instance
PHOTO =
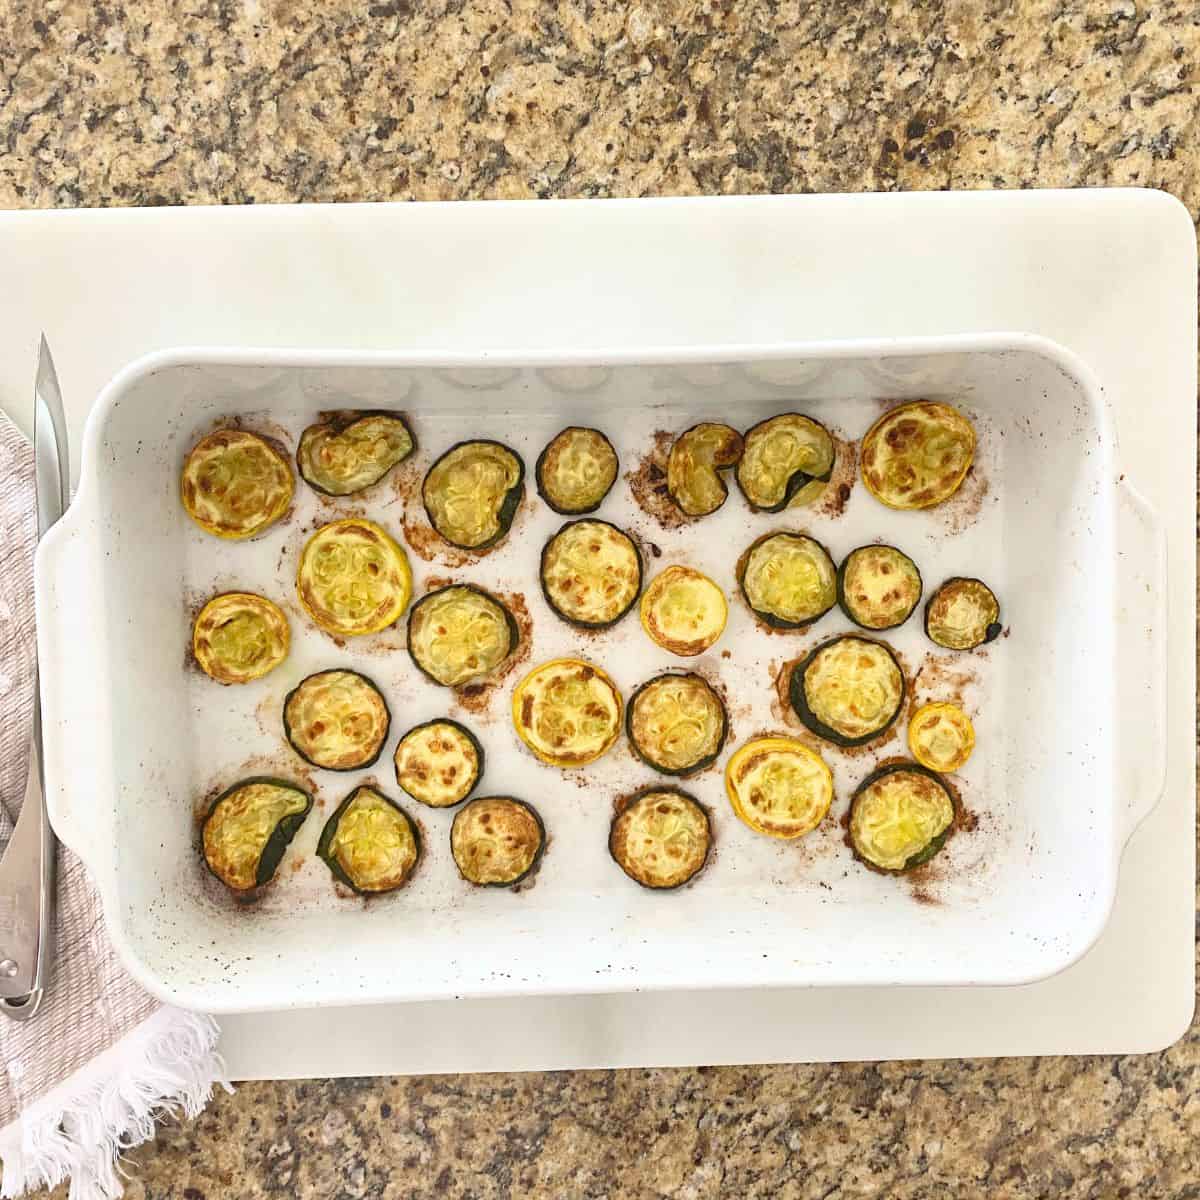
1069,720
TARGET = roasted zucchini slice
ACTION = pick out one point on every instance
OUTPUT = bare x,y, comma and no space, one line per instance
472,492
848,690
353,578
917,455
683,611
235,484
439,763
661,838
567,712
676,723
778,786
878,587
337,720
249,827
239,636
370,843
785,460
576,470
788,579
460,633
900,817
591,573
496,841
962,614
941,737
350,451
694,466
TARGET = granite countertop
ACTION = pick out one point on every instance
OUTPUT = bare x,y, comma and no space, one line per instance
282,100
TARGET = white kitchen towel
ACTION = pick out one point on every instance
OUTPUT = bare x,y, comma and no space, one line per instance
88,1076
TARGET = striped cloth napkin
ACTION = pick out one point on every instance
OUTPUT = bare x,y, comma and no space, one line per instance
101,1061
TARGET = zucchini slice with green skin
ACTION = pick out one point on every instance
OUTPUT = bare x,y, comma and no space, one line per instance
788,579
337,720
900,817
779,786
661,838
676,723
496,841
353,578
694,466
471,494
962,614
370,843
249,827
941,737
351,451
460,633
439,763
239,636
576,470
848,690
786,460
683,611
878,587
591,573
567,711
917,455
234,484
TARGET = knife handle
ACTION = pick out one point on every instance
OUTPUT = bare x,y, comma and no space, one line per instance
27,893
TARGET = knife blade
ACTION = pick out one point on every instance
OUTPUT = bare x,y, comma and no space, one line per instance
27,868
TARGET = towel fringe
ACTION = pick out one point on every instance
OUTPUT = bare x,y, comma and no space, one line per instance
79,1130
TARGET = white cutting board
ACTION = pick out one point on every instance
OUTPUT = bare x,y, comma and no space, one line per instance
1111,274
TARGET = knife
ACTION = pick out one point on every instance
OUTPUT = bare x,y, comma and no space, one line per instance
27,868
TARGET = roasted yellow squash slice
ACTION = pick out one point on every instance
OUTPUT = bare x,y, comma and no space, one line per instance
235,484
778,786
683,611
917,455
239,636
941,737
567,712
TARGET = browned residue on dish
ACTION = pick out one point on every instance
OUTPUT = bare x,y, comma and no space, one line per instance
648,483
962,509
941,678
835,497
476,697
426,543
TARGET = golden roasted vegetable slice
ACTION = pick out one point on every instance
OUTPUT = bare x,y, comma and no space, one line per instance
941,737
676,723
472,492
591,573
962,614
786,460
439,763
788,579
353,578
238,636
661,838
249,827
496,841
567,712
683,611
848,690
900,817
917,455
351,450
778,786
878,587
460,633
370,843
234,484
576,470
337,720
694,466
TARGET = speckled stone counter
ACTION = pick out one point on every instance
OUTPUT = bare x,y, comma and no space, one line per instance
105,103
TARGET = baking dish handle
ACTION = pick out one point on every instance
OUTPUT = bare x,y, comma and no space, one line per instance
1141,658
73,671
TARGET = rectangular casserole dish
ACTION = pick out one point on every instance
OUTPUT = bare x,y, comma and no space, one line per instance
1068,715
